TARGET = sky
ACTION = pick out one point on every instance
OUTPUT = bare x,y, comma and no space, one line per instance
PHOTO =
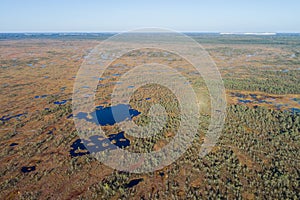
124,15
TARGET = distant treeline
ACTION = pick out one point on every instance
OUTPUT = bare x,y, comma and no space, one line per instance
68,36
213,38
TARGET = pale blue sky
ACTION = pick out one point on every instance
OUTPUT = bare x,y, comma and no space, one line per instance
122,15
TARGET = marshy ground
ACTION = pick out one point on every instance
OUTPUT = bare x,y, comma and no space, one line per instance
257,155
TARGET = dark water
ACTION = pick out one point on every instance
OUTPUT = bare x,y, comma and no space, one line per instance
115,114
133,183
69,116
13,144
120,140
297,100
254,96
264,101
161,174
110,115
295,110
104,116
244,101
60,102
28,169
254,101
76,146
238,95
7,117
98,143
42,96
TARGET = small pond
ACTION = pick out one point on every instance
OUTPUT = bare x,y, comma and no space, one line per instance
133,183
110,115
98,143
28,169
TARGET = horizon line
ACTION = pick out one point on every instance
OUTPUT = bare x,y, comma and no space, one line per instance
91,32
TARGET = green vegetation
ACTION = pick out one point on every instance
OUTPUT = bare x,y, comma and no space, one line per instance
269,82
250,161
